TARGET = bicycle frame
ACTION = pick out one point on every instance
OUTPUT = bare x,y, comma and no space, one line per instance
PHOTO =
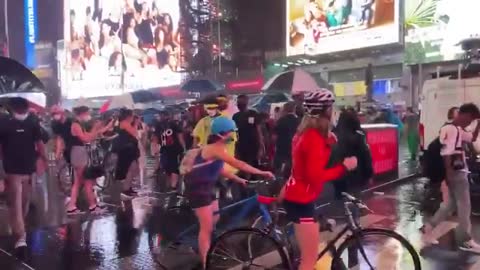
247,205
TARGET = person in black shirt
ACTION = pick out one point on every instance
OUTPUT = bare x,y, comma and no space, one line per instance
250,145
126,146
61,127
21,141
79,158
169,135
285,129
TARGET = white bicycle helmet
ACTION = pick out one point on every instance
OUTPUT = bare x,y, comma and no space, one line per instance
317,101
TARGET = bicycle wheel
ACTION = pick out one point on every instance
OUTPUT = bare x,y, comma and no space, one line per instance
373,248
259,222
246,249
65,179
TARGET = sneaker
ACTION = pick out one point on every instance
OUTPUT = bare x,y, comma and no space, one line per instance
21,250
470,246
21,243
128,194
74,211
98,210
427,237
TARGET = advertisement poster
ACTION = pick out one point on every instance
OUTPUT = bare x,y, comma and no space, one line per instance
383,145
114,46
325,26
434,28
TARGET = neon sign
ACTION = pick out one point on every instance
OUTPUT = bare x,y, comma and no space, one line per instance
31,32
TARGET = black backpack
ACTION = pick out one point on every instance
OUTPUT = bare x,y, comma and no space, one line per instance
433,167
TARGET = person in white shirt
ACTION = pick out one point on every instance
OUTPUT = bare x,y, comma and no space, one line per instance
452,137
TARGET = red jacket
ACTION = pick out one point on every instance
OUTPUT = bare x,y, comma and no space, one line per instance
310,155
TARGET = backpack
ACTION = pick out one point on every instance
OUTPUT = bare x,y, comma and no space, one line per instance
433,166
188,161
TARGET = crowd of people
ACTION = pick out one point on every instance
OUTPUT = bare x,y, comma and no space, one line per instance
220,145
304,152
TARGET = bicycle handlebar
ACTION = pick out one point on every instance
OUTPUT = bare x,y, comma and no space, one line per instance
357,202
255,183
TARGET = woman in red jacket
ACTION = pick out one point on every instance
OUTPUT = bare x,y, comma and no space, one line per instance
311,149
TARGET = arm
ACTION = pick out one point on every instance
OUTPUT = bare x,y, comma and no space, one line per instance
233,177
317,171
196,133
85,137
40,146
181,138
59,146
223,155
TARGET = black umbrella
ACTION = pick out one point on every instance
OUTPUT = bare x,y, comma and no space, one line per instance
15,77
201,86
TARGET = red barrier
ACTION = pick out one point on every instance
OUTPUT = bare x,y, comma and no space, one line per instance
383,142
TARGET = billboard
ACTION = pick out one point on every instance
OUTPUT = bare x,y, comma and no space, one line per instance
325,26
31,32
113,46
434,28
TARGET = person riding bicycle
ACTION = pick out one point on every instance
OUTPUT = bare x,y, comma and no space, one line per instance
311,150
208,166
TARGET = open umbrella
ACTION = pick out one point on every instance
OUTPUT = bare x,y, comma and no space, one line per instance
134,100
15,77
294,81
37,101
201,86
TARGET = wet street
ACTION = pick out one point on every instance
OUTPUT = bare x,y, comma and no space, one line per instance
143,234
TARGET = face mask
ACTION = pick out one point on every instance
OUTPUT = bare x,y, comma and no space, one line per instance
20,117
57,117
212,113
242,106
87,118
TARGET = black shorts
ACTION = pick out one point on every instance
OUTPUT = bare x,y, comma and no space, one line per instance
198,200
300,213
170,162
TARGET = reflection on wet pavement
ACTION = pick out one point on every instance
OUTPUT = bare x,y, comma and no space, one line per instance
141,234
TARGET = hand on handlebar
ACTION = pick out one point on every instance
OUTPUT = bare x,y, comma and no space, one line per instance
268,175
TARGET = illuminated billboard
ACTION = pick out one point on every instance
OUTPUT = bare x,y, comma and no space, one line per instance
324,26
114,46
434,28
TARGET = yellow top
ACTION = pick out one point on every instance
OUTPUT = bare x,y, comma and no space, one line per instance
202,131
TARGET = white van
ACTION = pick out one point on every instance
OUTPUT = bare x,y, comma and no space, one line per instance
437,97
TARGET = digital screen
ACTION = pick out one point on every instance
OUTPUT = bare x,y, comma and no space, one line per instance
317,27
434,29
114,46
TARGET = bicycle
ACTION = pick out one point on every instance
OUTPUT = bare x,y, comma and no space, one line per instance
65,177
99,150
277,251
187,236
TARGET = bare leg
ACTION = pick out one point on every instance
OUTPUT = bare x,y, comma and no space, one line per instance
88,188
77,184
308,237
205,218
13,187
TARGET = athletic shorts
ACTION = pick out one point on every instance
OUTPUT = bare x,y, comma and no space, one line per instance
170,162
300,213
